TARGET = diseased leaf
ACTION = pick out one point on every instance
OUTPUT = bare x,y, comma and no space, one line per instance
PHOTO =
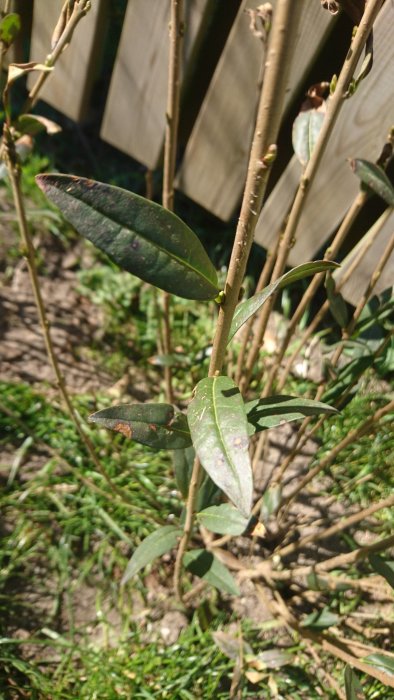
306,129
204,564
250,306
263,414
375,179
9,28
385,663
153,546
218,427
230,645
223,519
271,658
157,425
353,687
320,619
383,567
137,234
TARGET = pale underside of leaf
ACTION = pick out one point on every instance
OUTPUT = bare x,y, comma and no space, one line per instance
218,426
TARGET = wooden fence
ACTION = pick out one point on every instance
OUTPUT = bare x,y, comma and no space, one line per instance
213,166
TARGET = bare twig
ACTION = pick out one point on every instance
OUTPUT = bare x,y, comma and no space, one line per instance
263,151
333,110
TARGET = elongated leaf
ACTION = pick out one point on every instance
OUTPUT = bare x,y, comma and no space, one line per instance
320,619
223,519
153,546
271,501
306,129
337,303
247,308
271,658
383,567
374,177
33,124
205,565
208,493
157,425
268,413
138,235
385,663
219,432
353,687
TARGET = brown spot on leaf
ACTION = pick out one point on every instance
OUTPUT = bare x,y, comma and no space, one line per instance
153,427
124,428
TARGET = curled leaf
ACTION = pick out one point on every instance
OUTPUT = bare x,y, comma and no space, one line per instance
374,178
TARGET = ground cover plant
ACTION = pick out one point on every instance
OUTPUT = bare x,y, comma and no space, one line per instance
257,582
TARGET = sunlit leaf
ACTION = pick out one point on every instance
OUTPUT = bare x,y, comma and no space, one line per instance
383,567
271,658
153,546
306,129
219,432
374,177
223,519
263,414
9,28
353,687
157,425
250,306
320,619
205,565
137,234
385,663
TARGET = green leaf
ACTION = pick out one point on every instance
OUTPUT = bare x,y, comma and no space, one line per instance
353,687
347,375
320,619
385,663
219,432
337,303
383,567
230,645
157,425
205,565
272,658
182,461
247,308
223,519
9,28
157,543
263,414
375,179
306,129
271,501
137,234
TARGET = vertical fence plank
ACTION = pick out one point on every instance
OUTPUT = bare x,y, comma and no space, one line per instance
360,132
134,119
214,167
69,88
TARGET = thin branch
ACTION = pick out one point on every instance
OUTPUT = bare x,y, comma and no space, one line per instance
263,150
170,148
333,110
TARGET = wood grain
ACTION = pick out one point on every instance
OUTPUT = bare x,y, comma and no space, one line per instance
134,118
214,166
69,87
360,132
